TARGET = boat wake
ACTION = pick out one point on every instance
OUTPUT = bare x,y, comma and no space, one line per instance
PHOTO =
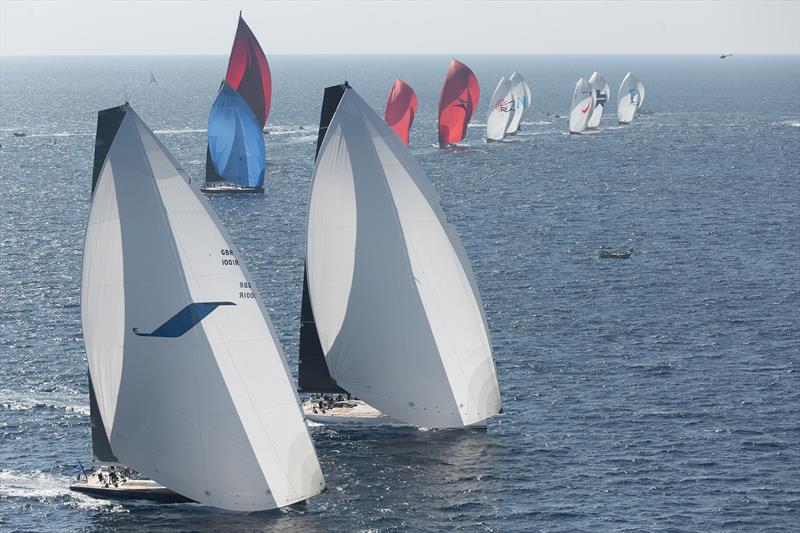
794,123
183,131
38,485
10,401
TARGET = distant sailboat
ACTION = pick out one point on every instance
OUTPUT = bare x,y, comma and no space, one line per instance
457,102
629,98
501,110
601,92
394,314
188,384
582,103
401,108
723,56
248,76
235,141
152,77
523,100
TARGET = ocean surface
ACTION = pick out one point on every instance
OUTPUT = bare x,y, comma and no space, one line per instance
661,392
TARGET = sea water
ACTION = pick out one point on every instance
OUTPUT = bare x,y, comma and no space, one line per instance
656,392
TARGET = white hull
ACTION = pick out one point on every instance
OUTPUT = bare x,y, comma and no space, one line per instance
349,412
356,413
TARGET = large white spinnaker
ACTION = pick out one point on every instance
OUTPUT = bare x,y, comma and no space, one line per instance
396,305
523,100
501,109
601,92
629,98
582,103
189,377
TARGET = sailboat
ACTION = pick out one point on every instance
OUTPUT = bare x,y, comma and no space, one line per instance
629,98
523,99
457,102
501,111
391,310
152,77
601,92
582,103
249,77
401,108
188,383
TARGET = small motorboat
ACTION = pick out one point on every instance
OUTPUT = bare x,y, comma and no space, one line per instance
619,253
19,134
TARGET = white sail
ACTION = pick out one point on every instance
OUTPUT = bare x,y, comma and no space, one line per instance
601,92
521,92
501,109
628,98
189,378
396,305
640,88
582,103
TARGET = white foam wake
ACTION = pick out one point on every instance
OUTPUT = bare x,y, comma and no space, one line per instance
12,401
40,486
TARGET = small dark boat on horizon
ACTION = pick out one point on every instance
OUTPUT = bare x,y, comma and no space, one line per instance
20,134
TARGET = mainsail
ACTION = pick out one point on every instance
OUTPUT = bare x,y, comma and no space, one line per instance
457,101
397,308
523,99
628,98
601,92
582,103
248,74
501,110
312,373
189,381
235,142
401,108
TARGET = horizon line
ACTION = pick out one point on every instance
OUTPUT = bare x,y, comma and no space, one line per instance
793,54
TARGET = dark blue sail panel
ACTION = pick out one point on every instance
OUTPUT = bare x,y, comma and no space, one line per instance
184,320
235,140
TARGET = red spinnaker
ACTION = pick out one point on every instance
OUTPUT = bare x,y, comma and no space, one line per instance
248,72
457,101
401,108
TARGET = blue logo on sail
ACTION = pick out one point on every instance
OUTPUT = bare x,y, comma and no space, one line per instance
184,320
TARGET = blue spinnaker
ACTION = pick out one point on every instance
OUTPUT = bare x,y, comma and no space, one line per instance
235,141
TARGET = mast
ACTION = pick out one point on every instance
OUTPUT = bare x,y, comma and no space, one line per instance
313,374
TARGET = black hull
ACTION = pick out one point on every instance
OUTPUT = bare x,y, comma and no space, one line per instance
218,190
156,495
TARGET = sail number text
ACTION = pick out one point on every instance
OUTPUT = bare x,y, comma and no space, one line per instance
227,258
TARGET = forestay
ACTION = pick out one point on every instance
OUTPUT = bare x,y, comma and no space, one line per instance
628,98
396,305
501,110
523,99
189,379
601,91
582,103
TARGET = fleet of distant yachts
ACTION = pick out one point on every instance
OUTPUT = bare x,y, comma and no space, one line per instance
188,384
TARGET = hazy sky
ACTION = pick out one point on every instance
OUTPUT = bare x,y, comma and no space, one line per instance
589,26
